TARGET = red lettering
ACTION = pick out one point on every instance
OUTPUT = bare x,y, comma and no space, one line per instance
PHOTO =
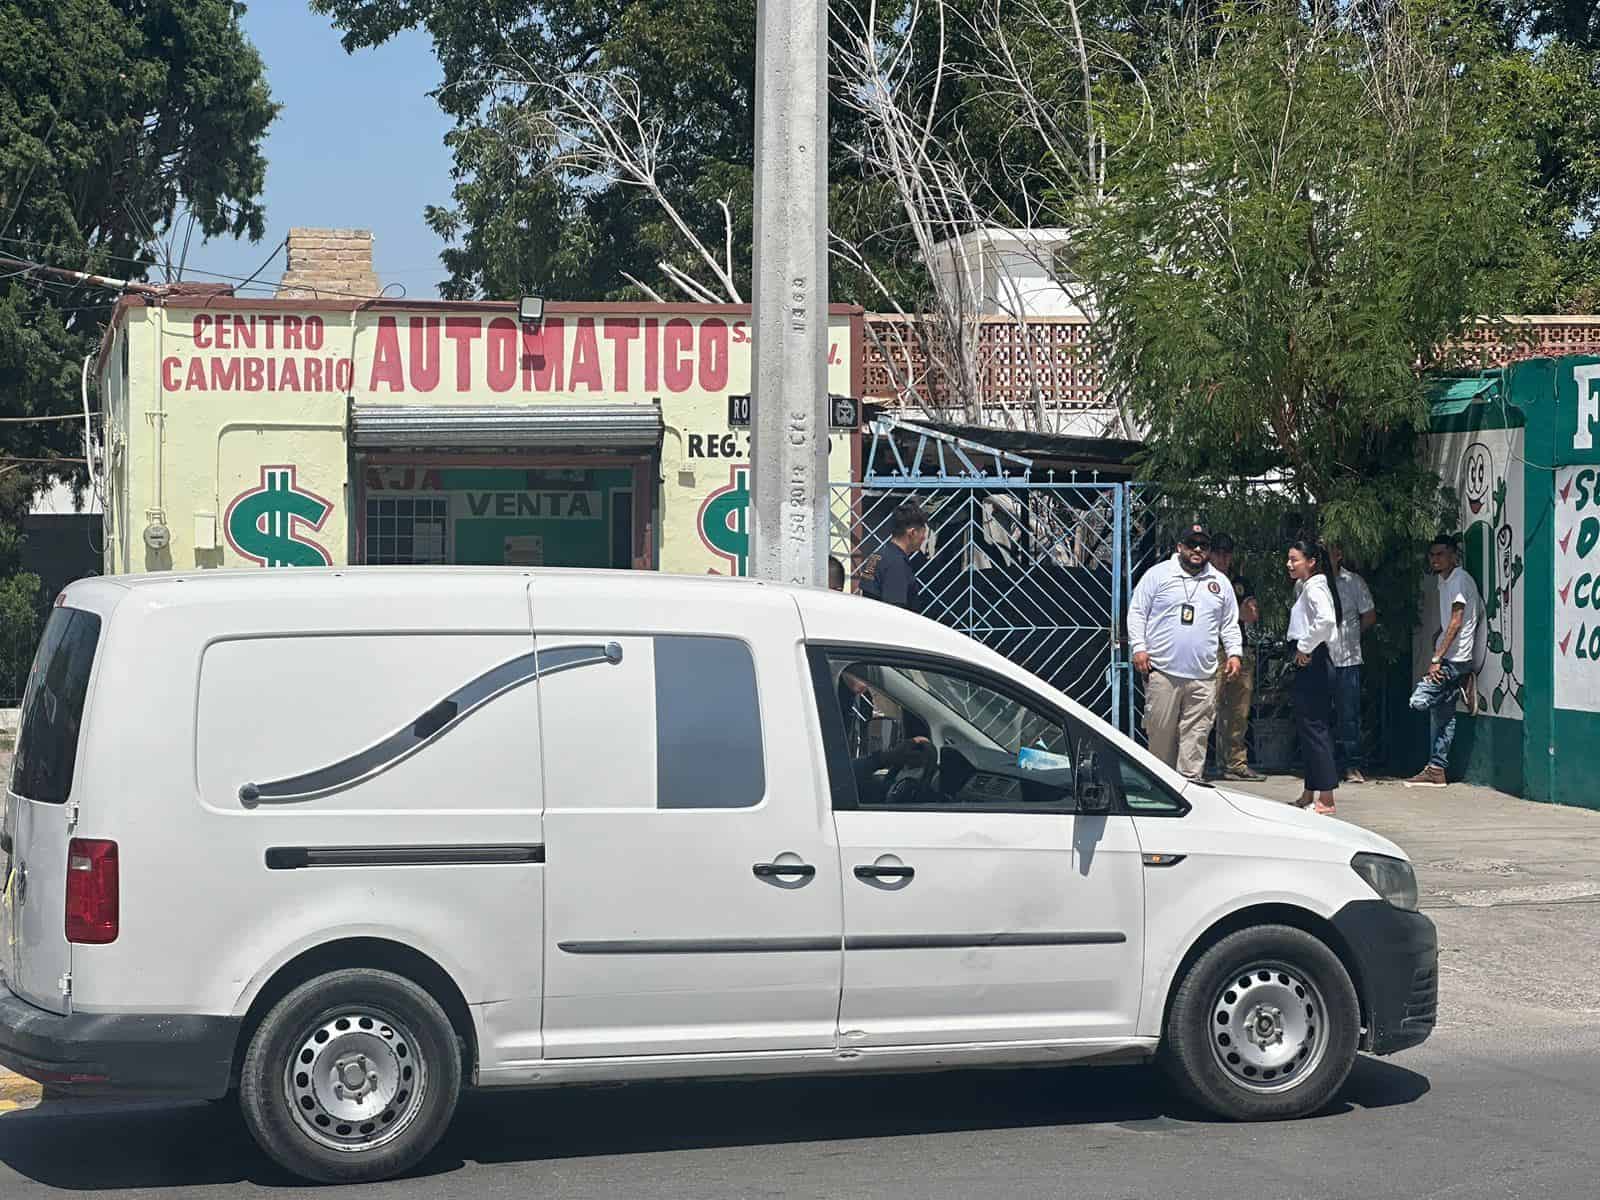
386,365
313,333
621,331
543,352
652,355
713,355
424,353
291,333
463,331
504,334
224,374
220,329
269,322
254,370
196,382
374,478
244,333
585,358
678,373
741,333
289,376
202,331
431,481
343,374
169,373
314,374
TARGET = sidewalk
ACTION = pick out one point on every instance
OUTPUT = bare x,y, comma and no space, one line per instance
1514,888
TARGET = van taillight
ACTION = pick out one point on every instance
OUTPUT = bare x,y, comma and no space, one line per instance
92,887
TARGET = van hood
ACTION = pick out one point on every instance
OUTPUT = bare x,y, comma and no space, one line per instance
1328,829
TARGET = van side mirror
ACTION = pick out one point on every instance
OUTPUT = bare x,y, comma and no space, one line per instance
1093,796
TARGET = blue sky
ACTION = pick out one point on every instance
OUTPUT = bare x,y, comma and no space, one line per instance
358,144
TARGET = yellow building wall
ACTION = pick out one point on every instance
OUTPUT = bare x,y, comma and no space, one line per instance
226,422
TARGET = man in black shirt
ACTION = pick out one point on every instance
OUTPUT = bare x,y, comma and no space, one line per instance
1233,695
894,577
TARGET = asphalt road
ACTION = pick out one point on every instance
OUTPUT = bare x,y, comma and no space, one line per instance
1460,1117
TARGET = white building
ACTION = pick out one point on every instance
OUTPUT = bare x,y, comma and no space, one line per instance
1013,272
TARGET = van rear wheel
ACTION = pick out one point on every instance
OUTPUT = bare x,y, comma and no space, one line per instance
1264,1026
351,1077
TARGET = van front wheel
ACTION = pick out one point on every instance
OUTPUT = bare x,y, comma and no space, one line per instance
1264,1026
351,1077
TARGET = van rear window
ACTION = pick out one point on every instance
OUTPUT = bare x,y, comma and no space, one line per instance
52,707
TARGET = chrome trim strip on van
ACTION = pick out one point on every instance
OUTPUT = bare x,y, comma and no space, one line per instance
978,941
432,725
866,941
779,945
294,858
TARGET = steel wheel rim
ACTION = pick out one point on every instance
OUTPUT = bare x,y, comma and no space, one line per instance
356,1080
1268,1027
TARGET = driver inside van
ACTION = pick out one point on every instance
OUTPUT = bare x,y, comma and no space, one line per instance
860,706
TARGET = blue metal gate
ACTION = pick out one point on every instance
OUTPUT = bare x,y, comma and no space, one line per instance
1038,569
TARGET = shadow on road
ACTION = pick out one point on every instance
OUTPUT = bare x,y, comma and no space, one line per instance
198,1145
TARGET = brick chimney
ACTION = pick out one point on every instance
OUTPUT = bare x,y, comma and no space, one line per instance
331,263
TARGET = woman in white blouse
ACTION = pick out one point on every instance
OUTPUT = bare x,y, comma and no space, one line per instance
1312,623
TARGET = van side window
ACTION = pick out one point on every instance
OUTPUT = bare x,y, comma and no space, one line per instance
709,752
920,737
52,709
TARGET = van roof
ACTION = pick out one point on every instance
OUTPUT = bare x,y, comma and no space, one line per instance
828,616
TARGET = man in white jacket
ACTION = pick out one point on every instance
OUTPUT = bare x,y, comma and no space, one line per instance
1180,611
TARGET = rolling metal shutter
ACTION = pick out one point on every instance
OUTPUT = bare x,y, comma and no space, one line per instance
481,427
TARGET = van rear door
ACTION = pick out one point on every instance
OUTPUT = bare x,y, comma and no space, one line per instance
36,956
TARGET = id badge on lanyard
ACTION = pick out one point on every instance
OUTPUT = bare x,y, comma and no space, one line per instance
1186,614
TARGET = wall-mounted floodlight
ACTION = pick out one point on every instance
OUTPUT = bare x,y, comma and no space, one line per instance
531,310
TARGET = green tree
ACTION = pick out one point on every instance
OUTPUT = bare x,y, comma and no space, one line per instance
119,119
1312,201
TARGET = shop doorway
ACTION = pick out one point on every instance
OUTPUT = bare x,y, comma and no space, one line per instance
532,511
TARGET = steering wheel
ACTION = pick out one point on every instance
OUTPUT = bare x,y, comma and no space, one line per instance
910,791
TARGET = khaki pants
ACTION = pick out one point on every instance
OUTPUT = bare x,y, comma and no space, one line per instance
1233,714
1177,720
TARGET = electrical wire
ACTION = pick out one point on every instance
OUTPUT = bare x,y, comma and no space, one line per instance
33,420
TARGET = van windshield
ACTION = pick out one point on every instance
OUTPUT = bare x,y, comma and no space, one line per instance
52,708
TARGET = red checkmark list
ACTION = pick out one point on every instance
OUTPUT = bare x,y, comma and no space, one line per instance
1565,540
1565,590
1565,641
1567,491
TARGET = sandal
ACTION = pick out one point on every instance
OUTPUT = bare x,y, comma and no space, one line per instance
1304,801
1326,810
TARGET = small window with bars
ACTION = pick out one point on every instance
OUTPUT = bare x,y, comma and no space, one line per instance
406,532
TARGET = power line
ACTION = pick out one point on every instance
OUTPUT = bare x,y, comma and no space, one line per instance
77,416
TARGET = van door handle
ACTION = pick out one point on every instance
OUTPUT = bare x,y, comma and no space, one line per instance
772,870
871,872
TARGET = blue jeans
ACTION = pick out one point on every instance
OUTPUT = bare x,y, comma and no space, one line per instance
1439,699
1347,718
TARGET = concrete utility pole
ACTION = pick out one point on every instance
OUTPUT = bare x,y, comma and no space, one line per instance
789,396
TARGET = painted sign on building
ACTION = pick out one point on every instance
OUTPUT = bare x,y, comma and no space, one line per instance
1577,556
1483,466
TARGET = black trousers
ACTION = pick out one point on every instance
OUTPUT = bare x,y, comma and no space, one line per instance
1313,717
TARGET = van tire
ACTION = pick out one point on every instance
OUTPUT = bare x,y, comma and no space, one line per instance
369,1021
1263,1027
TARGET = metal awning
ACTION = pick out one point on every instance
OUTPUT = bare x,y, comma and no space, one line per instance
484,427
1448,397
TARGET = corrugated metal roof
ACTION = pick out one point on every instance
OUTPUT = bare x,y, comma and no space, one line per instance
472,427
1447,397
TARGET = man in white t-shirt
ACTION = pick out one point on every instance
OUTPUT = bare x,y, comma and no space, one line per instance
1460,613
1360,615
1180,611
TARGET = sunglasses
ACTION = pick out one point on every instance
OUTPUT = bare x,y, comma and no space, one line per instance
1197,545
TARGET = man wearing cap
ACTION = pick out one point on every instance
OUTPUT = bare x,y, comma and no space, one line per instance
1234,692
1180,611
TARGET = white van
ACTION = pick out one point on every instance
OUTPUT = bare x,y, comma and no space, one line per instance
344,842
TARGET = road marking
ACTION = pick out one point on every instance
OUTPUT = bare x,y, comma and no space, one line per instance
1527,894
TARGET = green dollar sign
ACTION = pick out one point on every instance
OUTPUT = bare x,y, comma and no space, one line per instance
725,521
261,524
